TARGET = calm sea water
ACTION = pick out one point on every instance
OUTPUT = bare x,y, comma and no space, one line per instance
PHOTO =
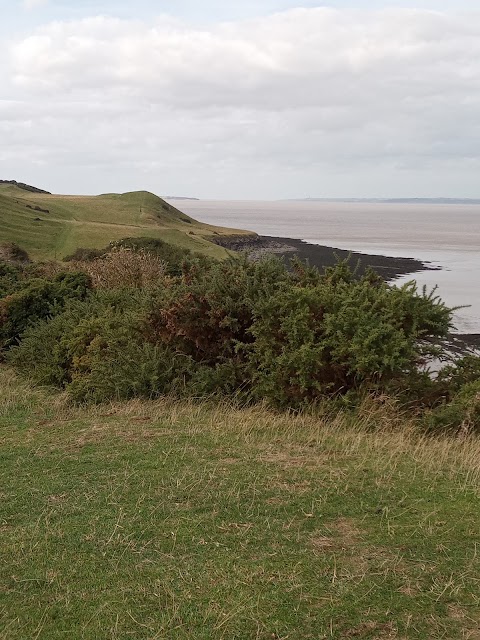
446,235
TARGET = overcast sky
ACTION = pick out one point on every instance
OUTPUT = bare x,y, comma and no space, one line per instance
242,99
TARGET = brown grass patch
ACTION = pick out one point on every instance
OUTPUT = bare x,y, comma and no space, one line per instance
344,536
471,626
380,630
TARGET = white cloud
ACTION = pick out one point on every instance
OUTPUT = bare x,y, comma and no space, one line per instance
280,100
34,4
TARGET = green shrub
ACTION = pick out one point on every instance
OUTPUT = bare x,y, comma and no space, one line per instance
175,258
460,373
36,300
341,334
9,278
171,255
207,314
461,414
45,352
96,350
235,327
111,360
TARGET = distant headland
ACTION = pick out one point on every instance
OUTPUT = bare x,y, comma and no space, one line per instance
392,200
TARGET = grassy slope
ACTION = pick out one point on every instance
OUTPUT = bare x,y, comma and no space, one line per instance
176,520
94,221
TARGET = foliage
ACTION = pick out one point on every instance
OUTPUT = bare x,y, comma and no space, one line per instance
464,371
124,268
174,257
84,255
38,299
461,414
96,350
235,327
340,334
9,276
110,360
207,313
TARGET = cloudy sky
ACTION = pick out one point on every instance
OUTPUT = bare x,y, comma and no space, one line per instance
242,99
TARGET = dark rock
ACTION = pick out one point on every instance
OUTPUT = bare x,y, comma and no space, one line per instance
25,187
320,256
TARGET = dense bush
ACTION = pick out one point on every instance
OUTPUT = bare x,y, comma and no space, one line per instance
208,313
232,327
461,414
455,376
85,255
37,299
96,350
110,359
340,334
9,278
172,256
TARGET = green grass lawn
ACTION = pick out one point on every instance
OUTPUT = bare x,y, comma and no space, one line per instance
193,520
95,221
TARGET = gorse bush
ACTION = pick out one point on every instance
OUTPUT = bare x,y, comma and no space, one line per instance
461,414
208,313
47,348
340,334
110,359
37,299
9,278
252,329
85,255
96,350
175,258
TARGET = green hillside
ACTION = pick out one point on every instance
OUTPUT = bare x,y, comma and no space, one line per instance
53,226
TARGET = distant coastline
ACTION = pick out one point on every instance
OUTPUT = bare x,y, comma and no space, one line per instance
391,200
179,198
321,256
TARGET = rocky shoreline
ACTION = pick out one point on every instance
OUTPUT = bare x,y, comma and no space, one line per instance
322,256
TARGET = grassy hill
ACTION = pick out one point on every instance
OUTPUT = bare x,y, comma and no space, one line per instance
53,226
182,520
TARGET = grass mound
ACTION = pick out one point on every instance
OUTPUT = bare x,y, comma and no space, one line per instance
54,226
198,520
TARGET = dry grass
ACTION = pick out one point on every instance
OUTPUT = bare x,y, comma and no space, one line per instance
380,430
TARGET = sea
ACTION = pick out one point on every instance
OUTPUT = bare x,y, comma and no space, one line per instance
444,235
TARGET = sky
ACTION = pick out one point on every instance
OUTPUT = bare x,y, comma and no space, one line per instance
225,99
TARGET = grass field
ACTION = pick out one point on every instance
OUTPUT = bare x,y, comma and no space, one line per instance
176,520
94,221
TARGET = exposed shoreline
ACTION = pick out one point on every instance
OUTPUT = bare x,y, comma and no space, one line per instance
322,256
